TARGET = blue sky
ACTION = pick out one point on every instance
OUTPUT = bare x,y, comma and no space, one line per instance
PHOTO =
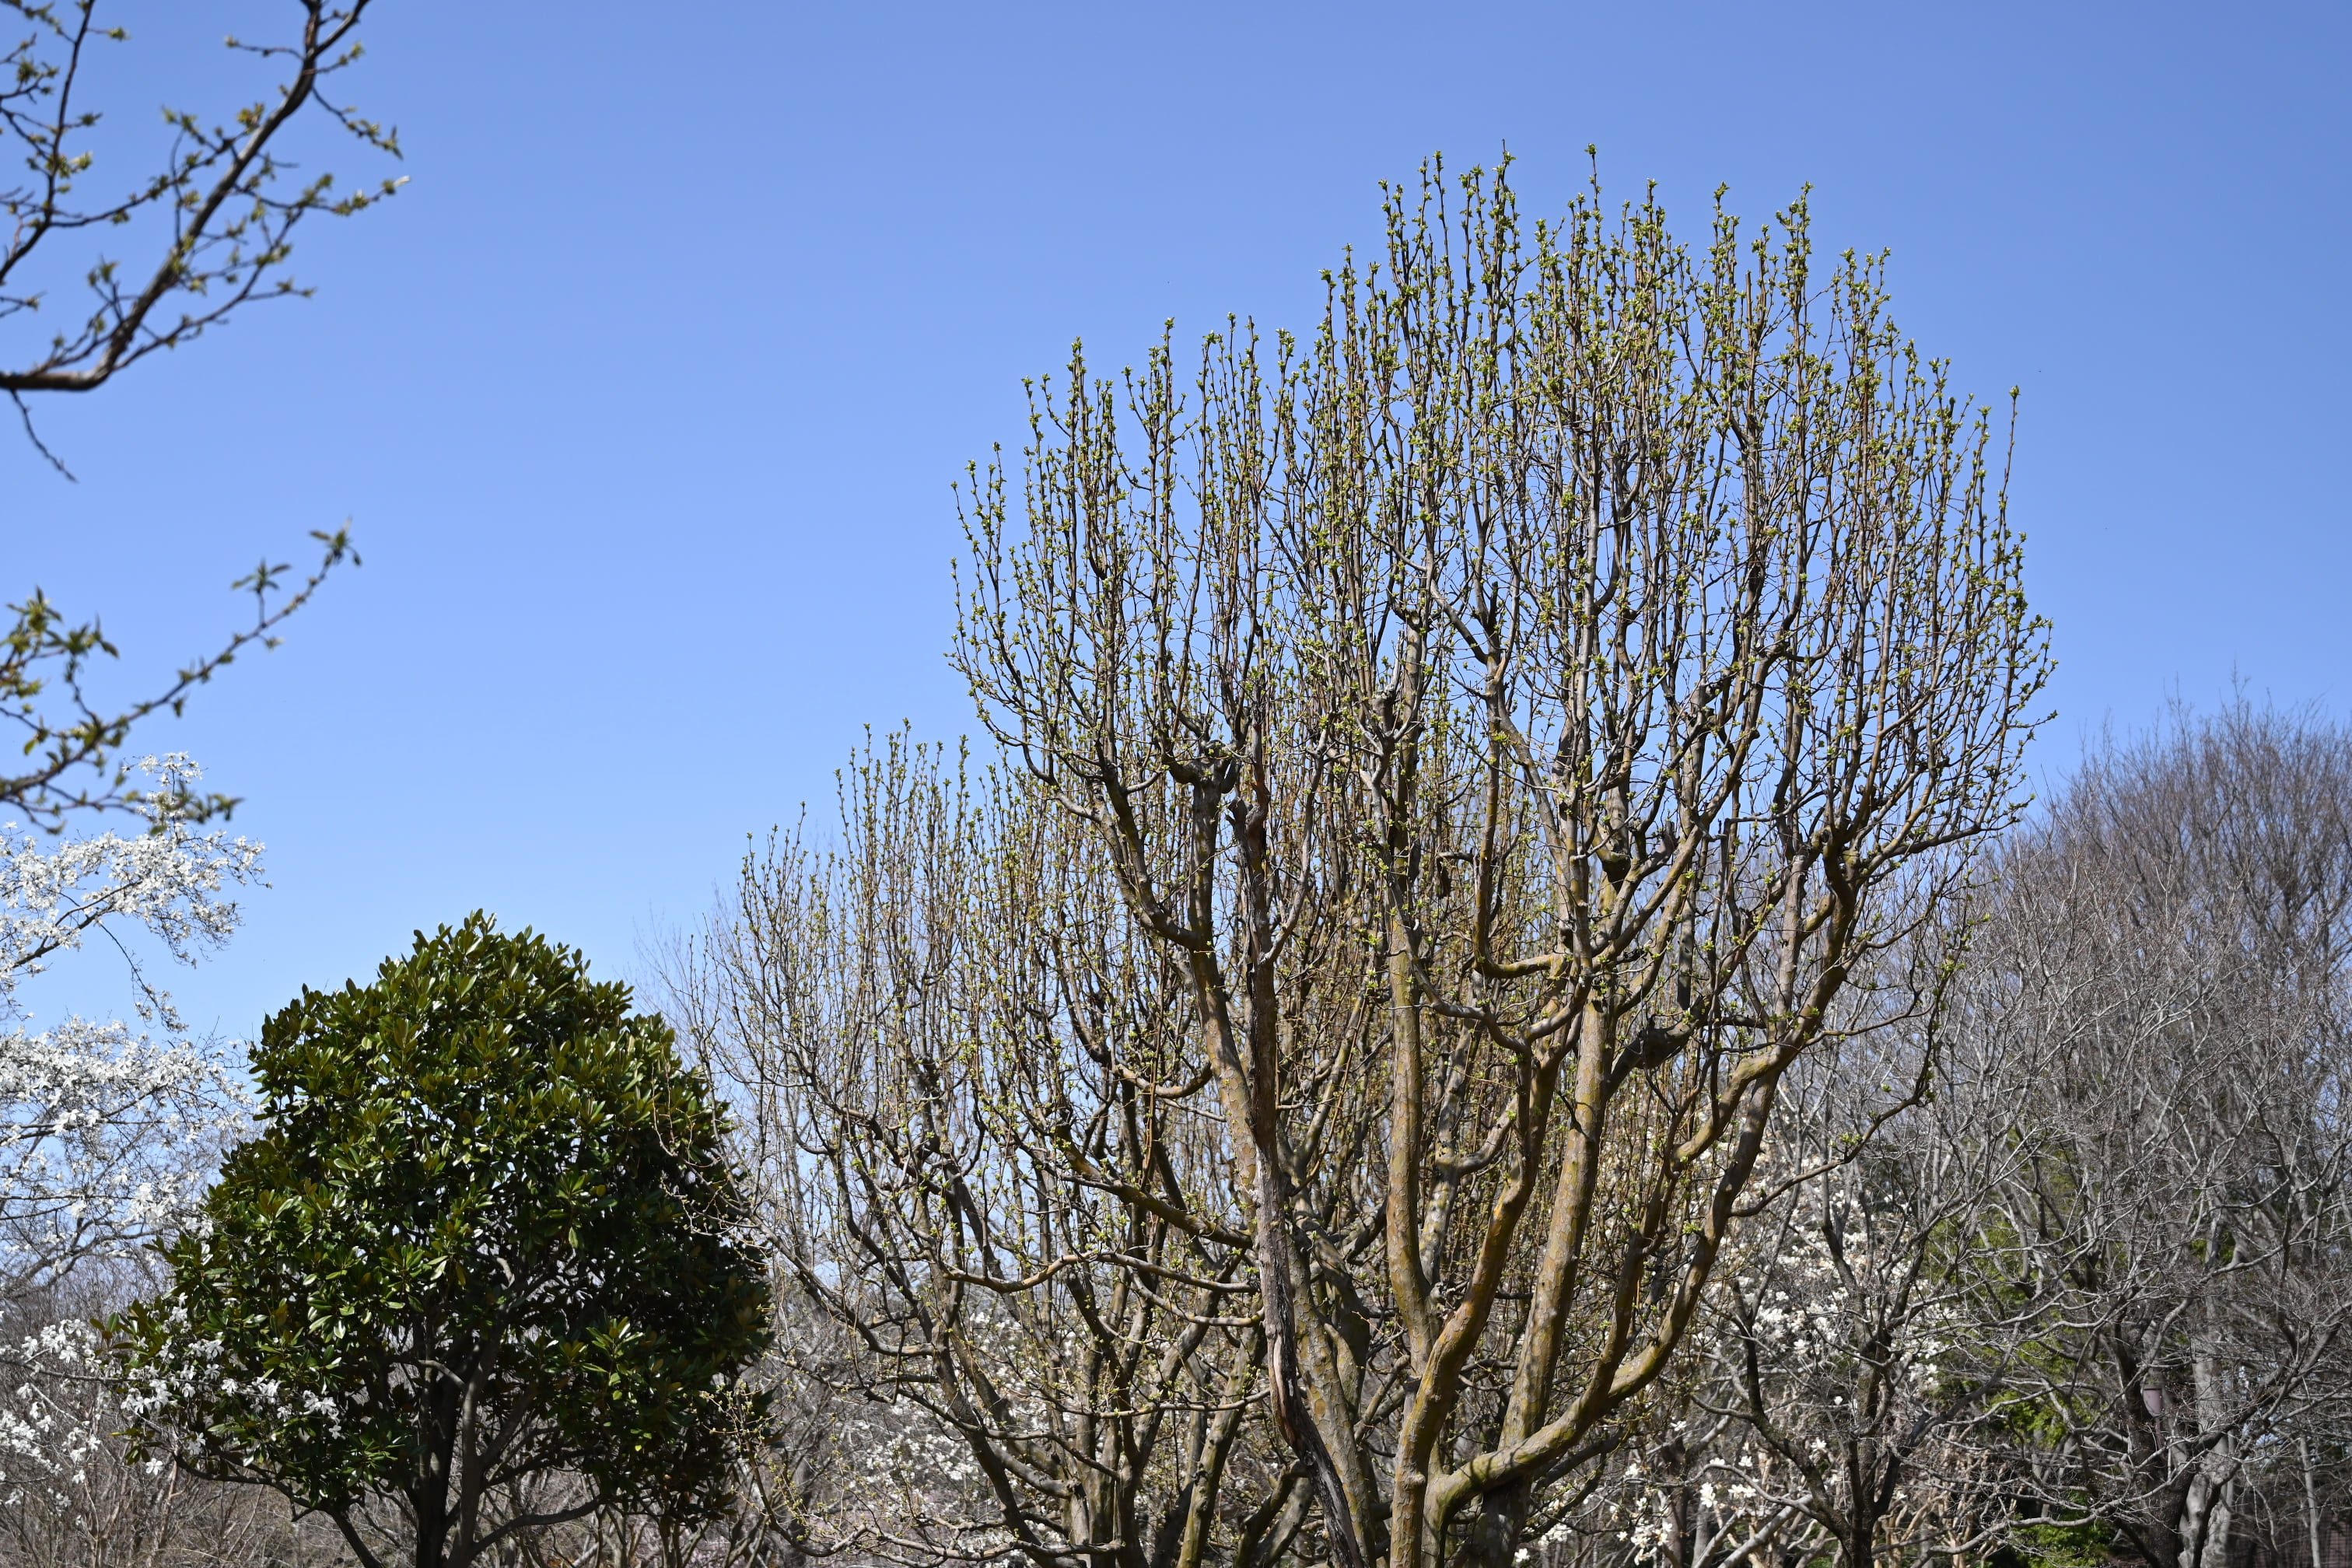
645,397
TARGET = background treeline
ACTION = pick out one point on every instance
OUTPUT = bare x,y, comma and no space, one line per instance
2056,1274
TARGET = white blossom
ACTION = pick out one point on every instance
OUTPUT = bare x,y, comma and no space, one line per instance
108,1131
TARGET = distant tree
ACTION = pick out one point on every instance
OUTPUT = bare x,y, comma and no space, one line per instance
482,1273
2162,1293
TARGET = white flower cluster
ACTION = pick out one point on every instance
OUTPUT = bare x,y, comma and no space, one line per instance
910,1449
1732,1492
169,880
105,1133
47,1432
108,1131
1806,1326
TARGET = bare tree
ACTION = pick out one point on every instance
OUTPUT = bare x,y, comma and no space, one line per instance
992,1170
1824,1398
1454,773
1515,713
2162,1275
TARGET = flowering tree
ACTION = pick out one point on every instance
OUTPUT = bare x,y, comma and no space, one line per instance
71,1500
96,1118
105,1128
105,1124
108,1130
1828,1357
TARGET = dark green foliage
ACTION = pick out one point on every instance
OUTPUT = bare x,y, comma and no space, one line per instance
485,1262
2091,1545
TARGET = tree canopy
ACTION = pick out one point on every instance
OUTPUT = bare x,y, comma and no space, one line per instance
1457,760
483,1264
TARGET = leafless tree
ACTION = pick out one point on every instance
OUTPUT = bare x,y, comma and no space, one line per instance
2162,1293
1452,774
1514,714
994,1172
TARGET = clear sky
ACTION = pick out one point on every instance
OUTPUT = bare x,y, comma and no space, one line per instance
645,397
